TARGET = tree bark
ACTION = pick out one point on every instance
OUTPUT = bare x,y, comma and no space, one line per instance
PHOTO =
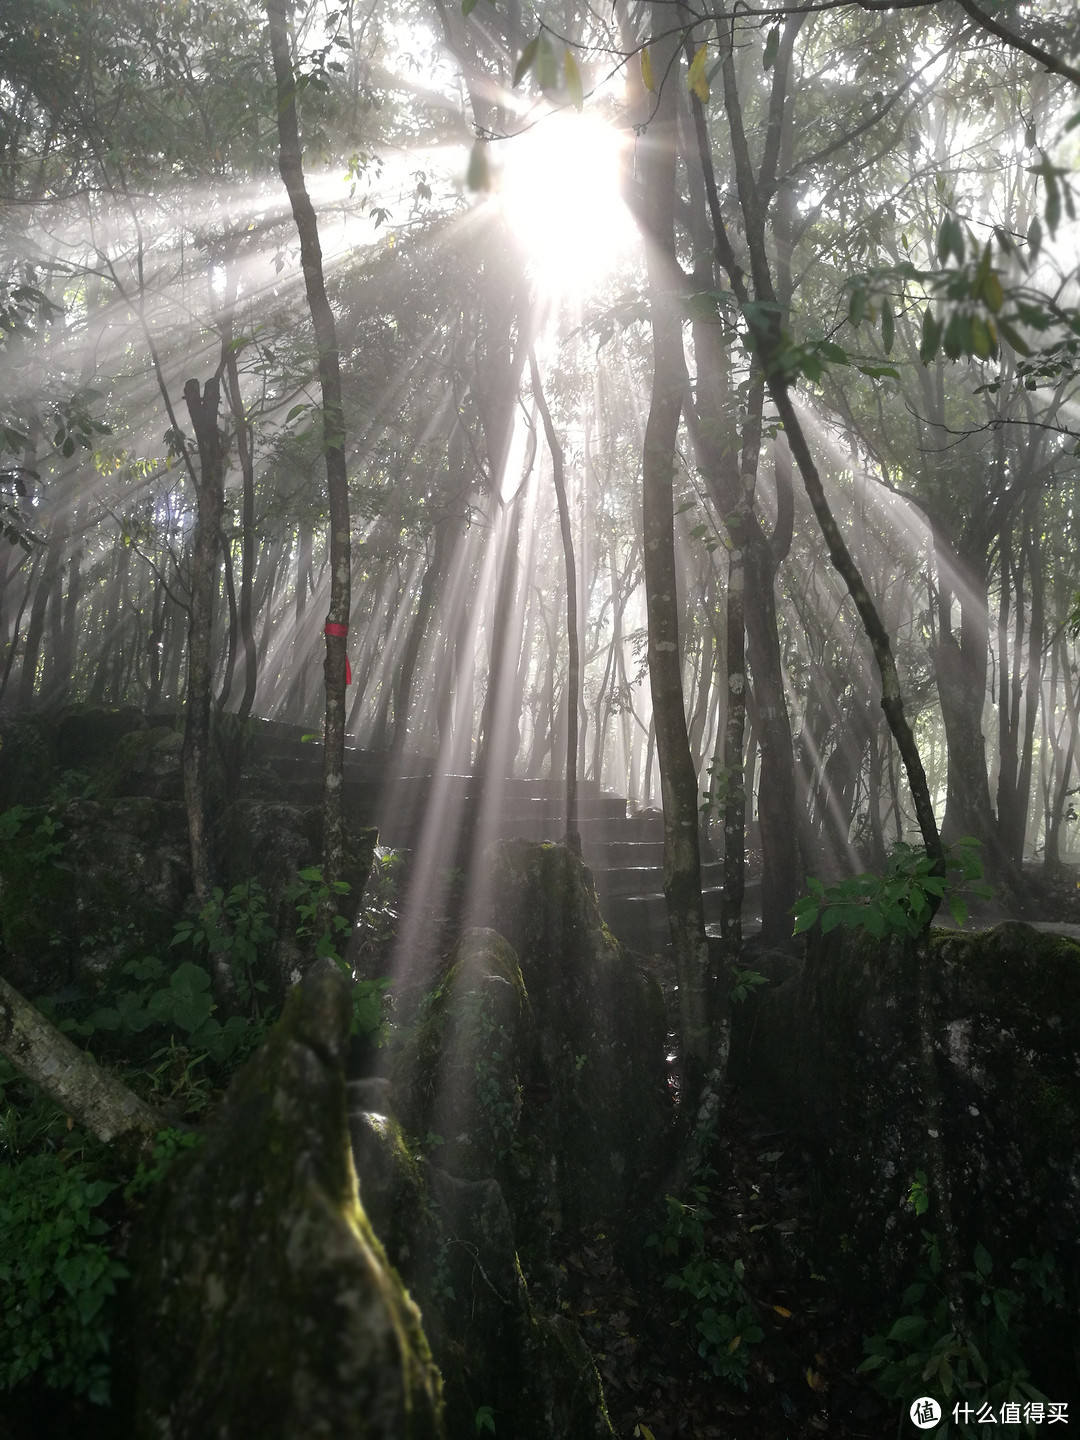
210,499
682,858
333,421
68,1075
573,664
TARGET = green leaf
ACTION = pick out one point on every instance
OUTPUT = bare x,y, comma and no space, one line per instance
888,325
468,6
772,45
1052,208
478,175
573,81
958,910
105,1019
1034,237
956,340
1018,343
805,915
647,71
980,338
908,1329
695,78
189,978
931,336
524,64
833,352
547,70
983,1263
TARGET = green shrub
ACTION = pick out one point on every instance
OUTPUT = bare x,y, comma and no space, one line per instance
57,1277
716,1304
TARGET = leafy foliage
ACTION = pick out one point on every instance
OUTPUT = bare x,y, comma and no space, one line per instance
56,1276
320,921
923,1351
717,1305
900,902
238,927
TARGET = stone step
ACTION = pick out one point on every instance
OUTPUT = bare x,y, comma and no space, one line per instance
641,920
645,879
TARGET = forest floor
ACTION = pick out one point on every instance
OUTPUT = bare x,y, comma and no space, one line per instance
801,1378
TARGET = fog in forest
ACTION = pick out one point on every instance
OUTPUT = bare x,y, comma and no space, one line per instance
644,429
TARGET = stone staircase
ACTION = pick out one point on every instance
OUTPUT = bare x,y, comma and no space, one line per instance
401,796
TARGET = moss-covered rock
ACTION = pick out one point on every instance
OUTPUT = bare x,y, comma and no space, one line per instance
453,1241
265,1304
832,1054
87,735
459,1075
147,762
598,1098
87,886
28,765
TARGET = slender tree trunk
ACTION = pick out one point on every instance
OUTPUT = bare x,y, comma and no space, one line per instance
1052,851
430,589
682,858
203,409
234,625
297,700
247,534
333,424
47,584
573,671
13,643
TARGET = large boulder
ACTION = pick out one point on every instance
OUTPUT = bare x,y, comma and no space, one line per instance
85,887
598,1099
453,1240
459,1077
265,1304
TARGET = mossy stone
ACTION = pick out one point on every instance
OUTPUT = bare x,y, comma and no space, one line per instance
601,1102
833,1056
459,1075
266,1307
28,763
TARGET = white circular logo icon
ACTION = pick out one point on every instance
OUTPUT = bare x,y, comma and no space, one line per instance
925,1412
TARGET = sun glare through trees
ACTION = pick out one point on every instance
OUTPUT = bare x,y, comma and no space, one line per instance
557,526
561,192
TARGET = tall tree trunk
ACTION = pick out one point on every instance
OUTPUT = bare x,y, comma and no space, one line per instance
233,628
333,424
296,704
682,858
430,589
573,670
50,579
247,533
210,499
1052,851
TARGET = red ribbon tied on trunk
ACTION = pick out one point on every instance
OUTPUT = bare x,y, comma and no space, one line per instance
340,632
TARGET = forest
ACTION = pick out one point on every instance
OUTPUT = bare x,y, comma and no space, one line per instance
539,717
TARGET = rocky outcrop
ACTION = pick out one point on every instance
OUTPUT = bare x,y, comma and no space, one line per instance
454,1242
831,1053
599,1095
266,1307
